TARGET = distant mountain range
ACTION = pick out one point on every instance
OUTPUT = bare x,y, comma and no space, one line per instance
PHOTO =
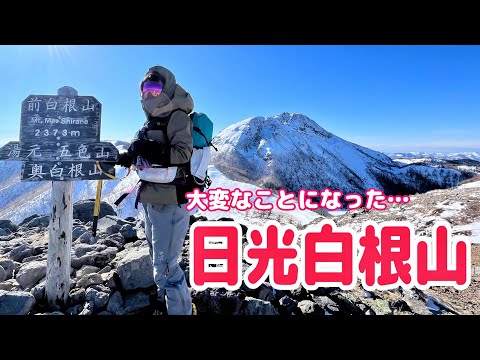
472,155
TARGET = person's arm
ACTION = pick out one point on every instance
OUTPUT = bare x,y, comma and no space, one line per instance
179,133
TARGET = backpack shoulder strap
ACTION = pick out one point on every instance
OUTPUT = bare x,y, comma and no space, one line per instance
160,123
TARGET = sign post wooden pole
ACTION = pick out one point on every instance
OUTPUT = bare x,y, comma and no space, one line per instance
57,286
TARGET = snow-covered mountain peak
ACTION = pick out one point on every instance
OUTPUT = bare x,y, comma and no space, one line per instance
292,151
259,130
300,122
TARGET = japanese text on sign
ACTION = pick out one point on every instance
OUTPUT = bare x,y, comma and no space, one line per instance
102,151
65,170
59,118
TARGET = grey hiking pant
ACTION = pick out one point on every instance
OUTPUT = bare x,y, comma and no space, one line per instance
165,229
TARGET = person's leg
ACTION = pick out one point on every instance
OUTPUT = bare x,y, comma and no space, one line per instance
179,301
169,225
148,229
160,304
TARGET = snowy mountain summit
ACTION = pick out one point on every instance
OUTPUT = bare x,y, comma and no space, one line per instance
292,151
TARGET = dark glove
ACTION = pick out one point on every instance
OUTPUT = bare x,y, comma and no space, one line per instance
125,160
137,147
156,153
152,151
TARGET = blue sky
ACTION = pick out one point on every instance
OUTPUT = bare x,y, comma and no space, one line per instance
388,98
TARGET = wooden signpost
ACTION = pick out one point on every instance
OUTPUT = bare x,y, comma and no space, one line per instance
60,139
60,142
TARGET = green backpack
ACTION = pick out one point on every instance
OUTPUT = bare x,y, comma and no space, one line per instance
202,130
202,140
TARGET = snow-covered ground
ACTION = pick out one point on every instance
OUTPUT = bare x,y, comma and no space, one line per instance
412,161
253,216
113,189
458,206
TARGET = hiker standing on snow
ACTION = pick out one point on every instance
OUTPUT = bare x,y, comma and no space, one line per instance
166,105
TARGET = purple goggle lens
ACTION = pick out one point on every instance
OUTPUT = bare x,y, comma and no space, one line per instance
154,88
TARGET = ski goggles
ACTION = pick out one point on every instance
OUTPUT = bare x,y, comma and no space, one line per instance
152,87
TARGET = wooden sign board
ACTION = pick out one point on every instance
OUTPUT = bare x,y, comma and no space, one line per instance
101,151
60,140
65,171
47,120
